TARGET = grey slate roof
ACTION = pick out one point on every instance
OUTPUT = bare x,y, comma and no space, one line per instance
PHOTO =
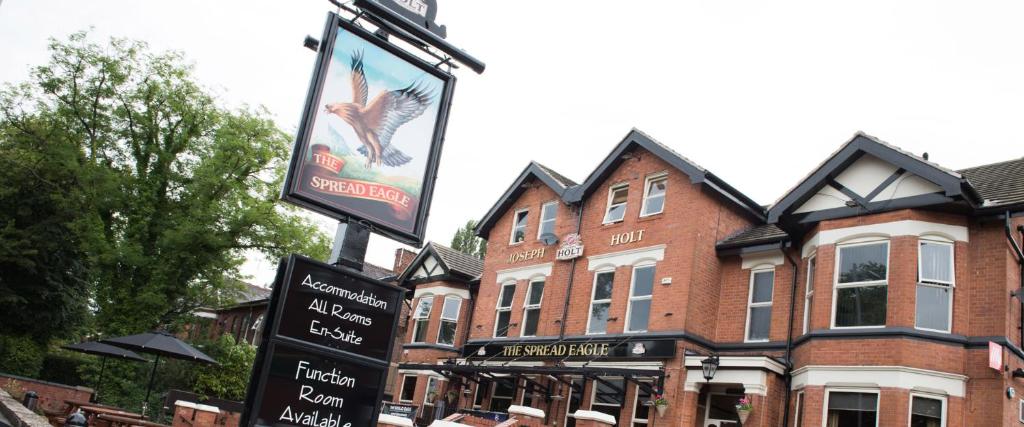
376,271
561,179
459,262
766,233
998,184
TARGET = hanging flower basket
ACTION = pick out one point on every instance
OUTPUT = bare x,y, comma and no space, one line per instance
743,409
660,403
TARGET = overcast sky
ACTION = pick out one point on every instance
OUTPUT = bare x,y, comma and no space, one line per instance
757,92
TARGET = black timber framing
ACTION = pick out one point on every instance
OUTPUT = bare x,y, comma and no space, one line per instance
859,145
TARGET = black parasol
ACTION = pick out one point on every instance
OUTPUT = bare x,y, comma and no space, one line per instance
160,344
104,351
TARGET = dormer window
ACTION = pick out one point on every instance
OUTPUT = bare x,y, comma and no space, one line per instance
617,196
519,226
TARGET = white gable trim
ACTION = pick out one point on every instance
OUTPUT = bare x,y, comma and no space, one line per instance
441,290
907,378
957,233
631,257
524,273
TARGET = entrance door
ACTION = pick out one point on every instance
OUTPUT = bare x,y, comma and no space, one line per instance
721,410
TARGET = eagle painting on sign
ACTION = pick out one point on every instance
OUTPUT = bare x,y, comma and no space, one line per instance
373,131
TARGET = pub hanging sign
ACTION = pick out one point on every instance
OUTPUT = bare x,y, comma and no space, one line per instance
370,137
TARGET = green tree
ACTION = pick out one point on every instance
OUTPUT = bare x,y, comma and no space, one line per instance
171,190
465,240
229,379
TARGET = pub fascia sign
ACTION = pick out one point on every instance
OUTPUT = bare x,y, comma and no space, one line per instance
588,350
572,247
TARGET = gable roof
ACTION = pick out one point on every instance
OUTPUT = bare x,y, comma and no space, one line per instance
696,173
454,263
554,180
998,184
951,182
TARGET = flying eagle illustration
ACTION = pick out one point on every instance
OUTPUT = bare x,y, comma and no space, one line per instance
375,123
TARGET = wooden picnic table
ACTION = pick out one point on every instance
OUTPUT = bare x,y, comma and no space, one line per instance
119,421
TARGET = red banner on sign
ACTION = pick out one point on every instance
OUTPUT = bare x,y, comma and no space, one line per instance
401,202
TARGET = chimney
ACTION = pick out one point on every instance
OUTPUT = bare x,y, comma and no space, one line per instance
403,257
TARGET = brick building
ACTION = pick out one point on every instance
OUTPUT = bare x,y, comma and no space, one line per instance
872,293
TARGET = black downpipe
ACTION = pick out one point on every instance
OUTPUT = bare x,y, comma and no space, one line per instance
1020,261
789,338
572,276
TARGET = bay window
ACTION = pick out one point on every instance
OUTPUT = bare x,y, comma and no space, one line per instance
421,318
935,284
504,309
531,308
759,304
927,411
849,409
640,291
861,284
408,389
600,302
654,195
617,197
449,320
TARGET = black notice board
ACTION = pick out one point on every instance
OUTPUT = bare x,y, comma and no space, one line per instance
326,306
306,377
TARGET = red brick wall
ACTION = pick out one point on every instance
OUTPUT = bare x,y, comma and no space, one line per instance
52,396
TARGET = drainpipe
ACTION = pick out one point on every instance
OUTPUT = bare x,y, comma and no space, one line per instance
1020,261
789,338
572,276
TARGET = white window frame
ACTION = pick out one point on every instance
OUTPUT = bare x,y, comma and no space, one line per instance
568,398
440,325
476,393
593,395
836,285
636,401
661,176
751,304
515,222
951,285
527,306
1020,410
426,393
498,309
809,289
416,319
540,219
940,398
526,389
629,305
609,206
796,410
494,389
402,389
830,390
593,291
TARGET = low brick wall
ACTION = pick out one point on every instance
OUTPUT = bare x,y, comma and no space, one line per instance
52,396
18,415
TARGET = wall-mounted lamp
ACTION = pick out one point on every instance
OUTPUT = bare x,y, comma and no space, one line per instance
1017,373
709,366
